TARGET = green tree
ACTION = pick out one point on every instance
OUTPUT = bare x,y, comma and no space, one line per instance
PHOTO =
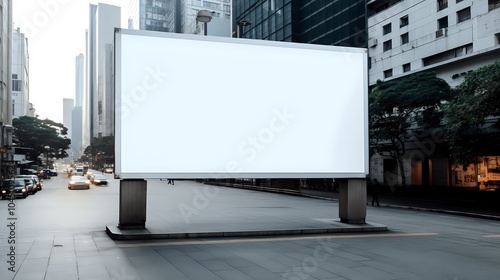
472,116
43,137
398,106
105,146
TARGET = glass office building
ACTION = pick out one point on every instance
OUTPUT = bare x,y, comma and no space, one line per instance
326,22
154,15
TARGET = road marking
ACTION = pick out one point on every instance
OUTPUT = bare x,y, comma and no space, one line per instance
492,236
249,240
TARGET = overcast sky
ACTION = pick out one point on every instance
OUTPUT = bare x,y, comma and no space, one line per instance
56,35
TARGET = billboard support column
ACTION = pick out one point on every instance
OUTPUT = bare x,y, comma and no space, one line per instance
352,201
132,204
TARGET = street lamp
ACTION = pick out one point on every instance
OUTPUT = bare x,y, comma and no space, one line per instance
239,27
47,156
205,17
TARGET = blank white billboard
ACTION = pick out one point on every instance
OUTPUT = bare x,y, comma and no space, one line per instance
189,106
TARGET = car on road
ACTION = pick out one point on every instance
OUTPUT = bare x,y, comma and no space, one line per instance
17,186
78,182
37,181
108,170
98,180
89,174
50,172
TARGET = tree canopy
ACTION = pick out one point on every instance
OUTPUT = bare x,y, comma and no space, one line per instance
41,137
472,116
105,146
397,106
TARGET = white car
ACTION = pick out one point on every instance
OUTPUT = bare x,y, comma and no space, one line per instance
78,182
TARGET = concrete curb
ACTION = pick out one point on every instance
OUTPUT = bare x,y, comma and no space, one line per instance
116,233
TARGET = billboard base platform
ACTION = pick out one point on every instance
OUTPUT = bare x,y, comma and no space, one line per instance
152,232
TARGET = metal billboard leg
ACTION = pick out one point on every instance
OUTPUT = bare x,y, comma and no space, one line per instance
132,204
352,201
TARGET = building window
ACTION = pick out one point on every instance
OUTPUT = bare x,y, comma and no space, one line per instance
493,4
387,45
442,4
463,15
443,22
16,85
404,38
388,73
403,21
497,39
14,76
406,67
458,1
387,28
13,108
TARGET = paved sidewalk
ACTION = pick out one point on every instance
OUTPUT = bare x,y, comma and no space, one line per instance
195,210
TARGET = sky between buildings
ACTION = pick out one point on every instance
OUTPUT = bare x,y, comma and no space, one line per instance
56,35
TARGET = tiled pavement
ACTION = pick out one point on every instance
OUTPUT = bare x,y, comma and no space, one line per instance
418,245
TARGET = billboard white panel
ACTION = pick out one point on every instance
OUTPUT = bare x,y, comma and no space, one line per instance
191,106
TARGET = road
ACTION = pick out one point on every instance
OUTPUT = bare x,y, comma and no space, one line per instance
60,234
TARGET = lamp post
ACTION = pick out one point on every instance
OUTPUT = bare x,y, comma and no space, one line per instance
205,17
239,26
47,157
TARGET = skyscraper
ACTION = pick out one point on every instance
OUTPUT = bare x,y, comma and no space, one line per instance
325,22
158,15
180,16
98,103
20,74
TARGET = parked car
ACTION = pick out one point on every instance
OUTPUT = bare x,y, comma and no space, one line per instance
38,182
78,182
98,180
17,186
30,185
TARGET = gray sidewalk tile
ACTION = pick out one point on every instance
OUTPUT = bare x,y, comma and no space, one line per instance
191,268
38,275
215,265
155,267
259,272
232,275
93,271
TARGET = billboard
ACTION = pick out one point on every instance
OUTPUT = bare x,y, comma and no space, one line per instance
191,106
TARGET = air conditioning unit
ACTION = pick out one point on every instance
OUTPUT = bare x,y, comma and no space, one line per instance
441,32
372,43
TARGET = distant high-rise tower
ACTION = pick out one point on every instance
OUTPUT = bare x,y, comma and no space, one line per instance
20,74
98,104
79,63
76,115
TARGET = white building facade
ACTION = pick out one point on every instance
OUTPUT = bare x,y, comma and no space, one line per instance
7,168
20,74
449,37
